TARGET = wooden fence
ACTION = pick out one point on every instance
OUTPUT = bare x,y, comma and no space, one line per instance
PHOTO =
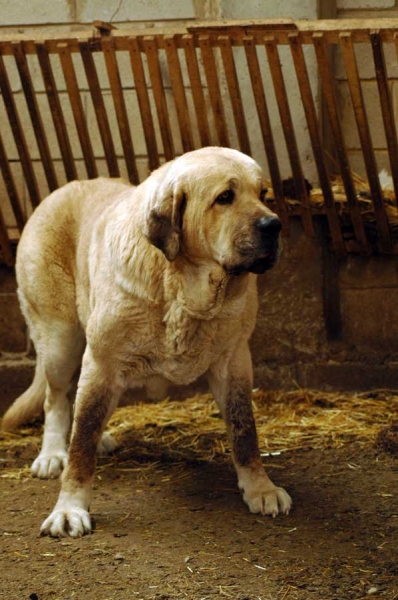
188,87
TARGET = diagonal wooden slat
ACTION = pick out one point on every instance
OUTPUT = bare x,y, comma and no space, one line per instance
151,51
345,171
36,118
314,131
180,99
266,129
56,112
100,110
213,84
191,59
143,102
120,108
288,130
234,93
366,141
77,109
19,135
6,255
11,187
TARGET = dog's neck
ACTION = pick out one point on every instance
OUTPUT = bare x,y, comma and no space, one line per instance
206,289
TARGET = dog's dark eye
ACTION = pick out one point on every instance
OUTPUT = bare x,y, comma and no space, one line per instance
263,193
226,197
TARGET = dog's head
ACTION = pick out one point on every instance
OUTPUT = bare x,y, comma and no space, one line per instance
209,205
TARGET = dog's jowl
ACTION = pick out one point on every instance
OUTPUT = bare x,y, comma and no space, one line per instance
144,286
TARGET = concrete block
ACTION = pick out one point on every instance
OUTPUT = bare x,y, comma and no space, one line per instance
272,9
290,321
369,319
17,12
364,4
347,117
347,376
13,336
133,10
360,273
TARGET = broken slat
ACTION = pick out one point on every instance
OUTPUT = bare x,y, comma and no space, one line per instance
100,110
366,141
288,130
77,109
313,129
345,171
11,187
266,129
155,74
234,93
191,60
19,135
56,112
144,103
213,84
120,108
180,99
35,116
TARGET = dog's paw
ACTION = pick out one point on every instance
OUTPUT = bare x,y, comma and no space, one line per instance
107,445
74,522
262,496
49,466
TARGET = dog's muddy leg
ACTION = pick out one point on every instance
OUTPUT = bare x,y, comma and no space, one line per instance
232,389
60,351
95,403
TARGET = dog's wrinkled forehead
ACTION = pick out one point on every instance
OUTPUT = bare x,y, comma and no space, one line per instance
208,169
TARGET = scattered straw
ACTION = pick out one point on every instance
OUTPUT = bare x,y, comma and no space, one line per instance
193,429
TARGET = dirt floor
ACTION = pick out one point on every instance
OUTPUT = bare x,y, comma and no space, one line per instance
171,524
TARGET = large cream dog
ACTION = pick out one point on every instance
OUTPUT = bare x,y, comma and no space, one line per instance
142,287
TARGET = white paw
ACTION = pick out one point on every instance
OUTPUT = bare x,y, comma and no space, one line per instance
49,465
107,445
73,521
262,496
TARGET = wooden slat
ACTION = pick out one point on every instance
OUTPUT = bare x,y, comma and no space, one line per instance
361,118
191,60
11,187
386,107
120,108
35,116
6,255
100,110
56,112
155,75
288,130
77,109
266,129
144,103
345,171
234,93
179,96
19,135
213,84
314,132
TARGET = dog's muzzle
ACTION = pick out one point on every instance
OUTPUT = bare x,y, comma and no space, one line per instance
266,254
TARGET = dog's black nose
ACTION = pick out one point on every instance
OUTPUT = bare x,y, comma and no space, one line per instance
269,226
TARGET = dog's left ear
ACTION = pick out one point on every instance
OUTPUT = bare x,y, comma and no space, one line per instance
164,221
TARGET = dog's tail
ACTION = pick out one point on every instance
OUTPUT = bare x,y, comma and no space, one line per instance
29,405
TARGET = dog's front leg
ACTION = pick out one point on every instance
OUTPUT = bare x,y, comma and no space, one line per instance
95,402
232,389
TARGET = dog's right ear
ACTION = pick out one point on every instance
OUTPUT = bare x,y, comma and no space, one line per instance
165,218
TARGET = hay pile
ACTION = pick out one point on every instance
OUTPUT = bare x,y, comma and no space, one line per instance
364,198
192,429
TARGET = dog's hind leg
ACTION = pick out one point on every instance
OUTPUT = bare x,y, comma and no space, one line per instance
60,348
